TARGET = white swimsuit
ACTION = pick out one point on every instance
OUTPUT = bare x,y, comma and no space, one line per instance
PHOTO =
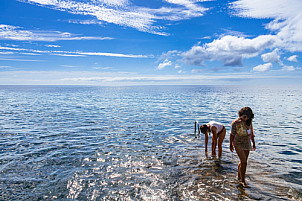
218,126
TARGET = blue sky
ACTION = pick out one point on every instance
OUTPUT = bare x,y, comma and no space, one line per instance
137,42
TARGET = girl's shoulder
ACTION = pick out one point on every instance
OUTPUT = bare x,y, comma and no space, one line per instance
236,121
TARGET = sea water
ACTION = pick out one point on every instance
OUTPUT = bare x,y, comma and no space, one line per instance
138,143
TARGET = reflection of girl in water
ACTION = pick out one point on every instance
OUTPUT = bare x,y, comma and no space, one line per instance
242,134
218,131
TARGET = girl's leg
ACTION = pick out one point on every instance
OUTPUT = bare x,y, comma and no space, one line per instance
243,155
214,144
239,171
246,152
206,143
220,140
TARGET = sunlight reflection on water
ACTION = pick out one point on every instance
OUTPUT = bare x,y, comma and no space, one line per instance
137,143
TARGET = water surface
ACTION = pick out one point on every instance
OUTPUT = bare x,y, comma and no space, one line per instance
137,143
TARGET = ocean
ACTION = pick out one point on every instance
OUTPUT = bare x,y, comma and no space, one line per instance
138,143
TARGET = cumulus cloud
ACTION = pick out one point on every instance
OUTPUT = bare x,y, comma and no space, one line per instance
293,58
164,64
286,29
169,54
286,15
8,32
228,49
271,56
125,13
263,67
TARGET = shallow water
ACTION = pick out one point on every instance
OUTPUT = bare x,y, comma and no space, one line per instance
137,143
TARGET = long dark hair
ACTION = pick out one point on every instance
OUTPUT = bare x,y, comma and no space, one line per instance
203,128
248,112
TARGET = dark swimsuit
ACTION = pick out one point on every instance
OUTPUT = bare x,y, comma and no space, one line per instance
220,131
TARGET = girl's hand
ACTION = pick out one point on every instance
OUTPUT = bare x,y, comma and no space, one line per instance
231,147
254,147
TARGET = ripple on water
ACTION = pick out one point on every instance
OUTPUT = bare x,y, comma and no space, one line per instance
137,143
288,153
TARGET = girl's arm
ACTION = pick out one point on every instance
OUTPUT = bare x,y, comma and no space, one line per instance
206,142
214,140
232,136
231,143
253,138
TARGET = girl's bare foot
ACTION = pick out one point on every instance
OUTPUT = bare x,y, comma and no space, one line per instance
239,176
244,184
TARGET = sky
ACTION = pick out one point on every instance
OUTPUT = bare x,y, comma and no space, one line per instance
150,42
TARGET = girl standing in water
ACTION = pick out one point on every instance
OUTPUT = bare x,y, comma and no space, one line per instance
242,134
218,131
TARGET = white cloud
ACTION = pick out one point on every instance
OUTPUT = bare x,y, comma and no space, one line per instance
84,22
29,53
234,33
206,37
67,55
196,71
228,49
177,66
123,78
6,67
52,46
185,9
286,26
169,54
164,64
286,15
111,54
6,52
263,67
106,68
288,68
271,56
69,66
8,32
73,53
14,59
128,77
293,58
124,13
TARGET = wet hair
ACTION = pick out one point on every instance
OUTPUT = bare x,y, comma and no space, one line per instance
248,112
203,128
